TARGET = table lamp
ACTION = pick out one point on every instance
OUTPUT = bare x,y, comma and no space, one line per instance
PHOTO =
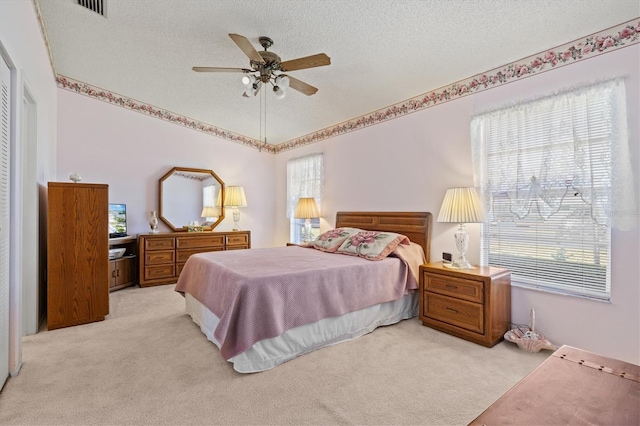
306,209
234,198
461,205
209,212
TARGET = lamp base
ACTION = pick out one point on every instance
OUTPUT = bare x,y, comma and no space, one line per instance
462,244
236,219
307,231
462,264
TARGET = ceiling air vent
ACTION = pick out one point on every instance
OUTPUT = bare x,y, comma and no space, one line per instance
94,5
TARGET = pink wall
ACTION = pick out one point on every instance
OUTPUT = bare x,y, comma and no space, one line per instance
408,163
403,164
130,152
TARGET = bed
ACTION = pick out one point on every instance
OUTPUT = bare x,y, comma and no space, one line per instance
263,307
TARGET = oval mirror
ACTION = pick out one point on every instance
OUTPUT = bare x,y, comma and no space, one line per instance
188,196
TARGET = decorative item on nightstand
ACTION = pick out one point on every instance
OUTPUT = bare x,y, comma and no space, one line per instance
306,209
153,222
461,205
234,198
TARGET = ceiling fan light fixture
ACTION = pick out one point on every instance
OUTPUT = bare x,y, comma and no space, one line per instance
280,92
252,90
248,80
282,81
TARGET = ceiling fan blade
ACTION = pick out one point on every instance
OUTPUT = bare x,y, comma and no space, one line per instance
219,69
301,86
245,45
312,61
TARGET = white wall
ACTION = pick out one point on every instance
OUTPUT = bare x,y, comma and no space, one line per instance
408,164
22,46
131,151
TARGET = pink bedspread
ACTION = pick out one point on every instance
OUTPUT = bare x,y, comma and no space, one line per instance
260,293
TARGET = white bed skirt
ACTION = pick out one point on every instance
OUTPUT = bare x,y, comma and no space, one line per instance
269,353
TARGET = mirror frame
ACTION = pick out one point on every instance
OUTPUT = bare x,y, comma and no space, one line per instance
160,197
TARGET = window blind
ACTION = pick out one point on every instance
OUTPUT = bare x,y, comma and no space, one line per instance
545,172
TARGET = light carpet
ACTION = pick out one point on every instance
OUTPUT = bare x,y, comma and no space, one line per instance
148,363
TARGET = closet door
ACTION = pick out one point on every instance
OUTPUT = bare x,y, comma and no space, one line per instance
4,221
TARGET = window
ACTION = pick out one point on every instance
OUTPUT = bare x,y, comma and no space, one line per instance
552,173
305,177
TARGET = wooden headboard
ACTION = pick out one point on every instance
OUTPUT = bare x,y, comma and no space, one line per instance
415,225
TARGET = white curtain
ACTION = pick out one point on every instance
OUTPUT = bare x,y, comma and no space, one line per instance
544,152
305,176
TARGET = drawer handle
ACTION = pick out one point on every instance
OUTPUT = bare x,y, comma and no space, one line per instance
451,310
454,287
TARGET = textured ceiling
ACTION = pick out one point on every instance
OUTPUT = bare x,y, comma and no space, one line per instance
382,51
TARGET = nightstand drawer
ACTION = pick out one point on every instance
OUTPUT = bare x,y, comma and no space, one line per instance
456,312
455,287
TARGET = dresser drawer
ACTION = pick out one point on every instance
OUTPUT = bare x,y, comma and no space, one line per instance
200,241
161,271
238,240
159,243
456,312
183,255
179,267
456,287
237,247
159,257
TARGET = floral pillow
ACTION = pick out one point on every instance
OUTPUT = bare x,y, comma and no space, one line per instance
331,240
372,245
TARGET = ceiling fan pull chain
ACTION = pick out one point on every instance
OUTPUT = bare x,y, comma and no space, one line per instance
265,120
261,96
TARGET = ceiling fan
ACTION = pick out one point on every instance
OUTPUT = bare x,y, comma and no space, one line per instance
268,68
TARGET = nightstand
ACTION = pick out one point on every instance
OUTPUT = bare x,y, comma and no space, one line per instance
473,304
293,244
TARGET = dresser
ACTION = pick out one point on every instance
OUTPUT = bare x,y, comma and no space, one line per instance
162,256
473,304
77,253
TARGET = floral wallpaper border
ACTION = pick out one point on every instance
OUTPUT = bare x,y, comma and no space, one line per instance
605,41
163,114
593,45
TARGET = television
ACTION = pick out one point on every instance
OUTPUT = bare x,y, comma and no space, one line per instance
117,220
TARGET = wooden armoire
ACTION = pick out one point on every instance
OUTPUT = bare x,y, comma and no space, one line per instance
77,253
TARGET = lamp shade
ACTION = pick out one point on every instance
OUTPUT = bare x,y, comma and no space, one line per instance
209,211
461,205
234,197
306,208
